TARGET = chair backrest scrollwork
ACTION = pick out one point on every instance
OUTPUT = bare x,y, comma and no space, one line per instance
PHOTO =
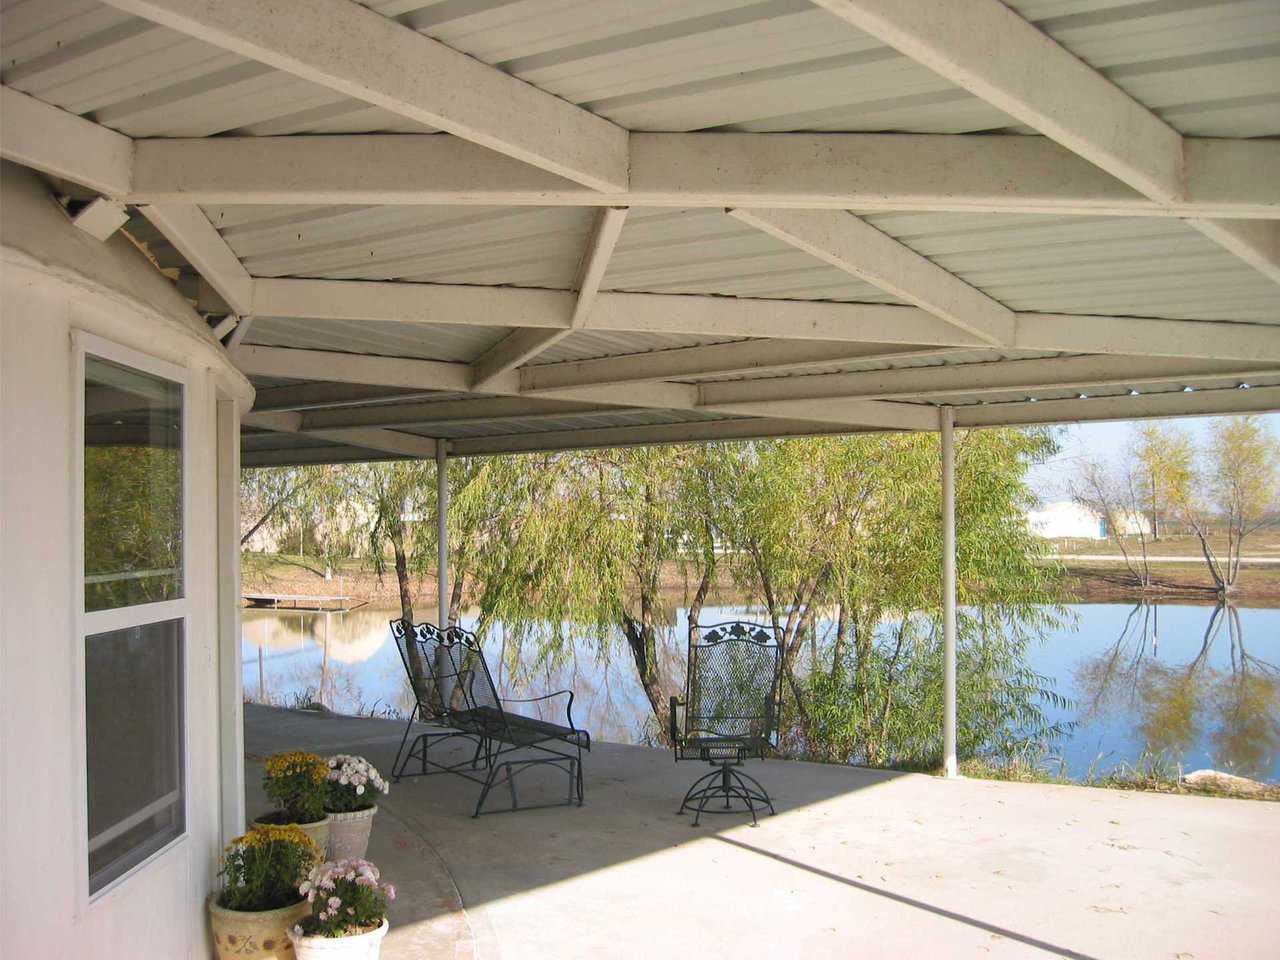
732,687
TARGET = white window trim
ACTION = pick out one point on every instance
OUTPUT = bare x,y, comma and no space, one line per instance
104,621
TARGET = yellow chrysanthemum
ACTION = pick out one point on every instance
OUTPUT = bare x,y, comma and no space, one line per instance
297,762
264,834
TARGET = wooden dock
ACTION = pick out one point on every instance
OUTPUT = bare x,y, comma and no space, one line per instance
303,601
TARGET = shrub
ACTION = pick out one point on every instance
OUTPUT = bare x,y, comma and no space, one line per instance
297,783
262,869
353,784
346,898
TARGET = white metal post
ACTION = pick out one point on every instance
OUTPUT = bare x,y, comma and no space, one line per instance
947,427
442,532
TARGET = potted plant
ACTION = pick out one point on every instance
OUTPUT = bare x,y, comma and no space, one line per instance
354,785
348,916
260,900
298,783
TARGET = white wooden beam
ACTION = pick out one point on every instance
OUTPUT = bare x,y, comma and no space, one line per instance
746,317
865,413
435,375
440,413
1141,336
328,453
858,171
240,332
703,431
59,143
521,346
511,351
189,230
387,441
717,359
1256,242
1006,376
988,49
308,396
225,326
1202,403
854,246
360,53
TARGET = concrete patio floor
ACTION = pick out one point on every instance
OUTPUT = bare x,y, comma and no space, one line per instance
857,863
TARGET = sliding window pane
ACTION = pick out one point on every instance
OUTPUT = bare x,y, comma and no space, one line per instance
132,487
133,739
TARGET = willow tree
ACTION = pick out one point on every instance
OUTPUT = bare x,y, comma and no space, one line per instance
570,550
853,526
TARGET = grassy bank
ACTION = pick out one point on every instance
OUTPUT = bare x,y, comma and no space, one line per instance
1149,774
1093,581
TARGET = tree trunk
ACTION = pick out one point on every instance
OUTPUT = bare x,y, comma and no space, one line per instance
402,578
641,639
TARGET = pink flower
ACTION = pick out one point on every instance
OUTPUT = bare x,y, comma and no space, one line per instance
335,903
389,890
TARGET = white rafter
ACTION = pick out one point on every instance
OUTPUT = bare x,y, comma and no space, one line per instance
1204,403
522,345
854,246
863,171
717,359
987,48
455,377
746,317
360,53
387,441
1006,376
45,138
189,230
439,413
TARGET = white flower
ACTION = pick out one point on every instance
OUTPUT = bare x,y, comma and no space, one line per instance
359,789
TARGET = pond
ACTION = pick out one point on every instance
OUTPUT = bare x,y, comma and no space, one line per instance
1198,685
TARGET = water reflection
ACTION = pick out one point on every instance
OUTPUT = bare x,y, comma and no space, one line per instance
1178,680
1219,701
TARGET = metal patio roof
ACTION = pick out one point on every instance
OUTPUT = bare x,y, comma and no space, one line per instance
650,222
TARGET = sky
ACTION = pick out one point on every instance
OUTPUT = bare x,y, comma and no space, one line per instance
1106,442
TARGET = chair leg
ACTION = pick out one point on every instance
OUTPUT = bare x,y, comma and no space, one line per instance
397,768
581,791
484,791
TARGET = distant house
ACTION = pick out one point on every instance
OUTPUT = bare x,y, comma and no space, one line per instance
1065,519
1068,520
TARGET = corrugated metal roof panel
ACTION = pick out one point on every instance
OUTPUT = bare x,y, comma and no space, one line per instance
622,418
1146,267
707,251
526,246
1208,67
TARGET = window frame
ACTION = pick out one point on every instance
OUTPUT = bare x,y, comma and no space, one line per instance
87,624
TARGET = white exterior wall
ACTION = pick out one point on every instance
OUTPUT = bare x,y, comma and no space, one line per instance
54,279
1066,519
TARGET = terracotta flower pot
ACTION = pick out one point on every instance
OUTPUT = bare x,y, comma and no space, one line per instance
254,935
349,833
363,946
317,830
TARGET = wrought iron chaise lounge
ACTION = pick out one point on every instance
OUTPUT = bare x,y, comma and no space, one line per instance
732,699
453,690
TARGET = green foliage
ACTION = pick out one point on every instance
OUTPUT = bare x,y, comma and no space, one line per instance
298,784
262,869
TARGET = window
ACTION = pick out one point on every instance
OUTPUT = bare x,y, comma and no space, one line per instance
134,611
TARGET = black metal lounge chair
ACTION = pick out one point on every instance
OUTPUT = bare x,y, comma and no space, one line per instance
453,690
732,699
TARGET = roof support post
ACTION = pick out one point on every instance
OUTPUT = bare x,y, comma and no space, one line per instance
947,428
442,533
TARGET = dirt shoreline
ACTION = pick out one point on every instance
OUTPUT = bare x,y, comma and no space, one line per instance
1082,583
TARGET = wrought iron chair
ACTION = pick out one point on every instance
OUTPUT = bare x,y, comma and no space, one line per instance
453,689
732,699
